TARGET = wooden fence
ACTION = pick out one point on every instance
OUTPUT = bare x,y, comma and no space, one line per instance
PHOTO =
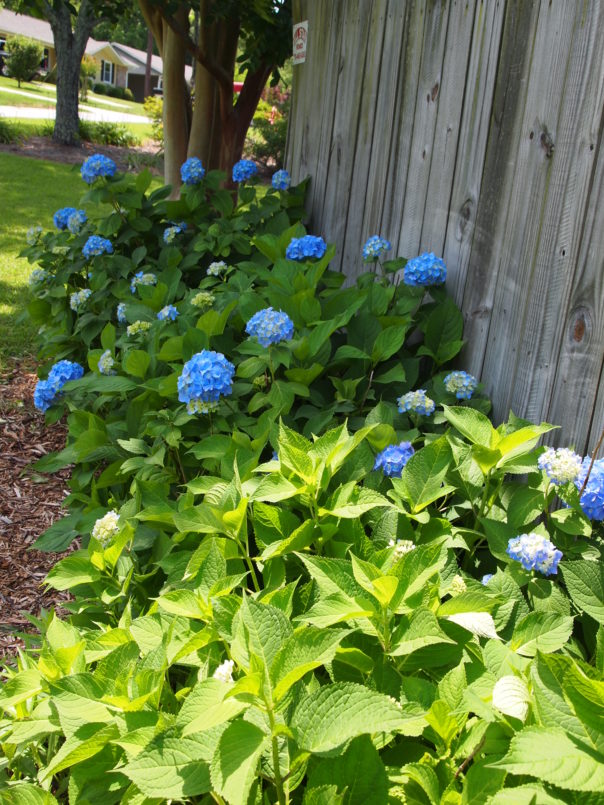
472,128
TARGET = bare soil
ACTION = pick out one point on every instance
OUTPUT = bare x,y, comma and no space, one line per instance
125,158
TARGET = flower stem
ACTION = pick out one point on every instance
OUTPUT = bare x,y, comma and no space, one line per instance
593,458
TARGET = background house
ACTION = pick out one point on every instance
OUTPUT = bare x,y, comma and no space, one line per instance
117,65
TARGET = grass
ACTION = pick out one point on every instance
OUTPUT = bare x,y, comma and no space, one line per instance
32,190
44,91
9,99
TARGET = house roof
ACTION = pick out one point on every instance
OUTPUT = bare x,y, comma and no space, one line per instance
131,58
12,23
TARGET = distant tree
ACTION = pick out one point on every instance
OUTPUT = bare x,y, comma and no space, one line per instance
71,28
88,68
24,57
214,127
129,29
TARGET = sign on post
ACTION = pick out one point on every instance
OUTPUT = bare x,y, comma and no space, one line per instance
299,45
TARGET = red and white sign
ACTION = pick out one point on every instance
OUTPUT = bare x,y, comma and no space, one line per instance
300,39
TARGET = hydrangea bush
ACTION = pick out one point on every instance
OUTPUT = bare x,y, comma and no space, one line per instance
309,564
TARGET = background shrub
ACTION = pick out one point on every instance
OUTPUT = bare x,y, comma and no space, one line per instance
23,61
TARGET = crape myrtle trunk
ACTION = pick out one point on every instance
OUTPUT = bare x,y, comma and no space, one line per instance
70,46
213,128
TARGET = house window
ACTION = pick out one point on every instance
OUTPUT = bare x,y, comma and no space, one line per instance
107,72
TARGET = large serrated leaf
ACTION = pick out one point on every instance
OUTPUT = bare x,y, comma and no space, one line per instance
334,714
173,767
585,583
206,706
303,651
359,773
473,425
26,794
422,478
540,631
234,763
550,754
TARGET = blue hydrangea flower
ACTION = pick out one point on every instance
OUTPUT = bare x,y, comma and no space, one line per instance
462,384
306,247
61,217
393,458
76,221
106,363
96,245
121,313
192,171
427,269
140,278
416,401
172,231
38,276
78,298
206,377
96,166
592,499
562,466
168,312
243,170
374,248
46,391
486,578
270,326
281,180
535,552
34,233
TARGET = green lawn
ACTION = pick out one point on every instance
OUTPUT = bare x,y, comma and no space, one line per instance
32,190
43,91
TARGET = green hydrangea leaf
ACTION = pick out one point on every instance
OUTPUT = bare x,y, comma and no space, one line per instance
550,754
329,717
234,763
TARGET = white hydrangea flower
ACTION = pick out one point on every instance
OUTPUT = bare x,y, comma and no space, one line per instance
215,269
106,527
401,547
224,672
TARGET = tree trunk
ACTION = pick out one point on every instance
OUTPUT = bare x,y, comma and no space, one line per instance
176,102
69,46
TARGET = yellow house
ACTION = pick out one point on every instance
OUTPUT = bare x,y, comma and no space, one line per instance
117,65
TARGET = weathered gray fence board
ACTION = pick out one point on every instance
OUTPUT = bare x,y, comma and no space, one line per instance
445,138
486,235
564,214
480,82
473,129
534,179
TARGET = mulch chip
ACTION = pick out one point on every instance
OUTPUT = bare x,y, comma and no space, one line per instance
29,504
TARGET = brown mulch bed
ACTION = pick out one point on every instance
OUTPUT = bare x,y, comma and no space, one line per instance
29,504
45,148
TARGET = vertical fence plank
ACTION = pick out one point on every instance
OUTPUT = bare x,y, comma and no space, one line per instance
472,128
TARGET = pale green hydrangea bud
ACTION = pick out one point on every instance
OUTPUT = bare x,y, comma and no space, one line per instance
458,586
